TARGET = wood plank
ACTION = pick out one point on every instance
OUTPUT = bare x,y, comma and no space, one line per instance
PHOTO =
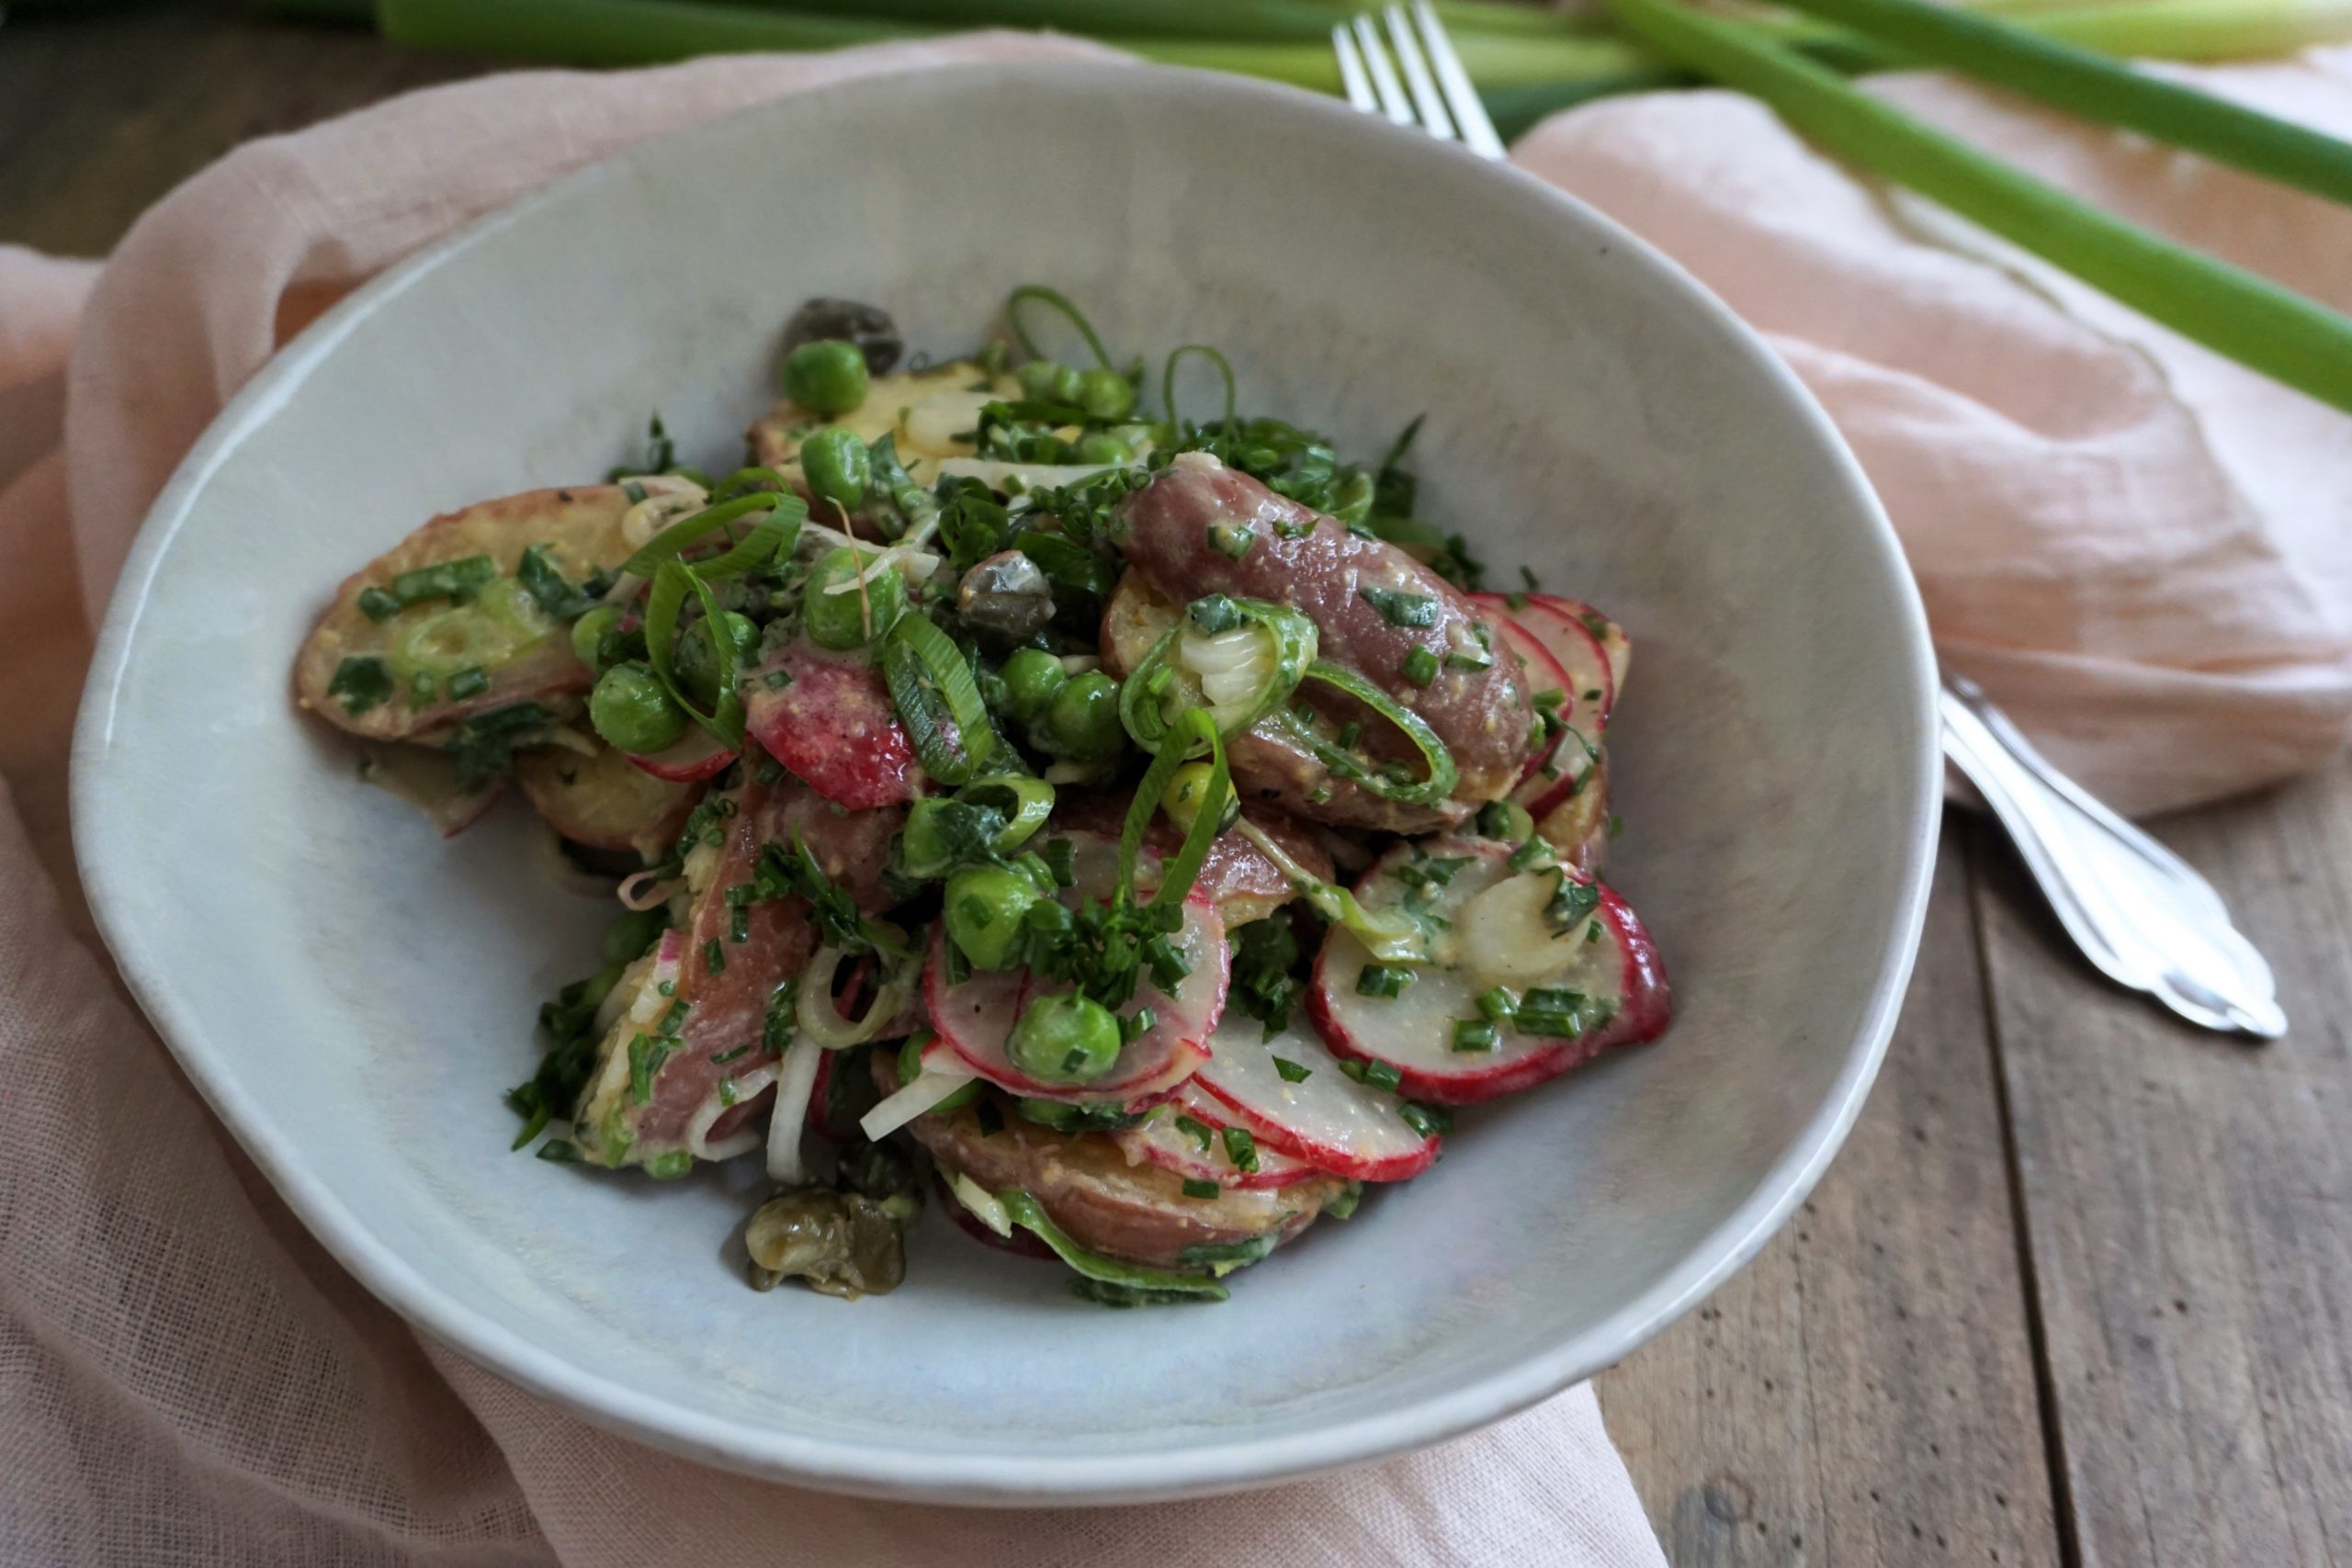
1863,1393
2189,1208
102,111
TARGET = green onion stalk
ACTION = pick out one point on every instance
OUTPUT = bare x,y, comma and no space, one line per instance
2228,309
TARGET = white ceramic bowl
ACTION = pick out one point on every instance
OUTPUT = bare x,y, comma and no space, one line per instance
352,995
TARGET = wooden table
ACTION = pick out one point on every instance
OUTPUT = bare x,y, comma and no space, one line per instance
2079,1289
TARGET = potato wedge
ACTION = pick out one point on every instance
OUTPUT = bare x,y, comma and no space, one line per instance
523,651
1139,1211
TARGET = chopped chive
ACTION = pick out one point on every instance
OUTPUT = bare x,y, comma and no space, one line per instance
1420,667
362,683
1376,1075
727,1093
1429,1120
1168,967
1592,934
738,923
377,605
1194,1189
776,680
770,772
725,1056
1473,1034
714,956
1383,980
1232,540
1498,1004
471,682
1528,853
646,1054
1137,1024
1469,658
1401,609
1198,1131
419,688
674,1017
1241,1148
562,1151
1291,1071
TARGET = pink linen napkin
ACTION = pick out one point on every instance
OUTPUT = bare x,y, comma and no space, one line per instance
186,1378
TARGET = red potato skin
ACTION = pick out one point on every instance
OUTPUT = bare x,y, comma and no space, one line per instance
1484,716
1138,1214
833,726
582,521
1648,1007
729,1008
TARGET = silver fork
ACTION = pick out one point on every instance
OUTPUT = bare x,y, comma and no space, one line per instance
2138,913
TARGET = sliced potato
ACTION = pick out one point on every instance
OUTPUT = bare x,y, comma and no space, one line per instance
604,800
1138,1213
924,410
503,632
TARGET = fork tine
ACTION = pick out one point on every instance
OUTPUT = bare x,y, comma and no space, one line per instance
1351,76
1434,119
1477,130
1393,102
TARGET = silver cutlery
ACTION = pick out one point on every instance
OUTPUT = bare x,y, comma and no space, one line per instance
2139,912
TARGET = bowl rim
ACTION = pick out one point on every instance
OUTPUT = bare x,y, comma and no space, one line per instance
1225,1463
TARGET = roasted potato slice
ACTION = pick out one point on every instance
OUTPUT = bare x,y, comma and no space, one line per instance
602,799
392,679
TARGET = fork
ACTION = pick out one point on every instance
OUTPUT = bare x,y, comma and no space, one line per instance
2138,912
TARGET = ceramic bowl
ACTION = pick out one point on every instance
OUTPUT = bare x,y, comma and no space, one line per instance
352,995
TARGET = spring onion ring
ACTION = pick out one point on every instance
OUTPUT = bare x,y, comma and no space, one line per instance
1192,728
815,1009
1442,772
672,541
1059,301
938,700
1168,379
770,542
1031,800
1146,711
672,583
1398,939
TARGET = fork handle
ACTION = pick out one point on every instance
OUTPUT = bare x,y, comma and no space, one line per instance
2139,912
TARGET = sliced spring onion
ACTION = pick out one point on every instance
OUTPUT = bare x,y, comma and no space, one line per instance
818,1013
2230,310
938,700
1059,301
1443,772
1193,728
670,542
1391,937
1270,650
1168,378
672,582
1028,1214
1026,803
770,541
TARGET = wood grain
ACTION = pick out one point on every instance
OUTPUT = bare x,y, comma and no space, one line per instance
2188,1211
1863,1393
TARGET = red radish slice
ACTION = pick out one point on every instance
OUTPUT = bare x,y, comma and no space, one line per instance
1199,1153
1582,650
828,720
1614,643
1326,1119
977,1017
1499,935
699,756
1545,673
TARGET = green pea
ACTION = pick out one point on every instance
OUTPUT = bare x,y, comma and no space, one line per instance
826,377
839,621
1049,381
1105,395
1065,1039
837,467
1082,724
630,708
628,938
1031,677
984,908
589,632
1103,447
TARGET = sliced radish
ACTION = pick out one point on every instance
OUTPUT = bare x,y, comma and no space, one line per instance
1544,673
828,719
699,756
1199,1152
977,1016
1498,933
1326,1118
1581,636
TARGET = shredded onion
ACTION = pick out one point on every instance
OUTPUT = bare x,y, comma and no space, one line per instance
645,889
917,562
894,1111
748,1087
668,497
821,1021
984,1205
795,1079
